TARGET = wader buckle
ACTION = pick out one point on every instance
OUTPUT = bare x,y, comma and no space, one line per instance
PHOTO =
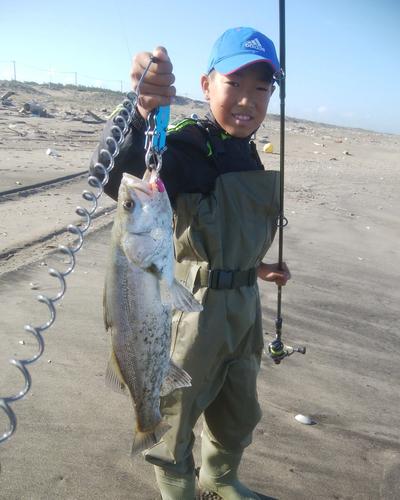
232,279
220,279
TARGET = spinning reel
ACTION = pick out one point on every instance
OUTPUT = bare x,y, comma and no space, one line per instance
277,350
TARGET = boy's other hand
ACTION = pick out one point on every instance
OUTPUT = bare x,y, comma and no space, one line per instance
156,88
270,272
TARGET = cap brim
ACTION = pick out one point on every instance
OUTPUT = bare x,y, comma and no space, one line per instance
232,64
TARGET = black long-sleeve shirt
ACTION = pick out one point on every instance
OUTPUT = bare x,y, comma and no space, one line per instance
197,153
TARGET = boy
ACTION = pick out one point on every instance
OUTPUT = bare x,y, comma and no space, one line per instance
225,206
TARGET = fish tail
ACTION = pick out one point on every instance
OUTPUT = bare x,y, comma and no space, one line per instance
144,440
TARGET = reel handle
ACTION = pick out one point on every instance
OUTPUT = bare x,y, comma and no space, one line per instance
277,350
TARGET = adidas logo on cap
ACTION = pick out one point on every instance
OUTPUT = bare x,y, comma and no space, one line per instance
254,44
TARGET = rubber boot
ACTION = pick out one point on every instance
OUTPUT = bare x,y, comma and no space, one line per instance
218,473
175,486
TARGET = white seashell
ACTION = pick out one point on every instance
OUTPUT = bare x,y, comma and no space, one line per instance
303,420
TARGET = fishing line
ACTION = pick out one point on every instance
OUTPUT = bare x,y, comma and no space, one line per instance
123,29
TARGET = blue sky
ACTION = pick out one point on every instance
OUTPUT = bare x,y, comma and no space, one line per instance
342,56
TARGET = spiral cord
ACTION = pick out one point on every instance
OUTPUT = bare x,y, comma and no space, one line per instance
122,121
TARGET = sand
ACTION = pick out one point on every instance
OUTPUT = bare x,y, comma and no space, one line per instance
74,435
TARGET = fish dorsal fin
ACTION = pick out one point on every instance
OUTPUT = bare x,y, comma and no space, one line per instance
114,378
183,299
176,377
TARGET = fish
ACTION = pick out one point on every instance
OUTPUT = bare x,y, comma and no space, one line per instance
139,291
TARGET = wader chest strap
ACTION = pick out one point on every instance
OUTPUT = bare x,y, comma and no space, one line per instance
226,279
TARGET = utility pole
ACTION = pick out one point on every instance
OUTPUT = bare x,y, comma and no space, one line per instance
76,79
15,72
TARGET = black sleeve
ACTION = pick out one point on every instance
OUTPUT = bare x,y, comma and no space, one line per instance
130,158
184,163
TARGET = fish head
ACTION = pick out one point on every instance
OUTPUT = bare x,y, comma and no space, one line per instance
144,219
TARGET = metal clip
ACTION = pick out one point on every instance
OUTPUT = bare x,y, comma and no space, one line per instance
157,123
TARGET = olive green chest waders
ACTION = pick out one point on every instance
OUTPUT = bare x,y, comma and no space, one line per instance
220,240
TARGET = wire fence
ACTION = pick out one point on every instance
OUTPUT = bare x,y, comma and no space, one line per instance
14,70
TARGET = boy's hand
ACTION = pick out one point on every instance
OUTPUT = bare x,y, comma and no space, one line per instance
270,272
156,88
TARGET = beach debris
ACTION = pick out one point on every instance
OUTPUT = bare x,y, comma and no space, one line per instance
337,140
6,96
94,116
21,342
303,419
317,144
13,127
268,148
35,109
346,153
51,152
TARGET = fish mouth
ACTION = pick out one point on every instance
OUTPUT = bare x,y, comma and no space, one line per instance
141,188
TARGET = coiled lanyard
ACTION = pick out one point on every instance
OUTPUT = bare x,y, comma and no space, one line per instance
157,123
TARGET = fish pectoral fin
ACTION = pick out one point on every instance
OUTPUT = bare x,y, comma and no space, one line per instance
183,299
144,440
165,293
114,378
175,377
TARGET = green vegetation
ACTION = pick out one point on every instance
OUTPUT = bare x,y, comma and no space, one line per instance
59,86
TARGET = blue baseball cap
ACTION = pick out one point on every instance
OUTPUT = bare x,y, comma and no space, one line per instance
239,47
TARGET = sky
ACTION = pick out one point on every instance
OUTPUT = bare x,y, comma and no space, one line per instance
342,56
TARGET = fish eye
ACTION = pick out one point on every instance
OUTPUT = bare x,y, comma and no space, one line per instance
129,205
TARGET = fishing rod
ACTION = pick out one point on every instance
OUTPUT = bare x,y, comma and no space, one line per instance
277,349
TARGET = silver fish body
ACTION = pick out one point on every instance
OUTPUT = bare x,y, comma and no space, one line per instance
138,291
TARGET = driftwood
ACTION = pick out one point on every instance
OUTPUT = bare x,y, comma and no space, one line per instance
5,96
90,122
21,134
94,116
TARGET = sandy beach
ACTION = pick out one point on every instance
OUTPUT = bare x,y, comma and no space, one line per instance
74,435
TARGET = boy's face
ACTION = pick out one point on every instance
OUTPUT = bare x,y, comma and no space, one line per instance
239,101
